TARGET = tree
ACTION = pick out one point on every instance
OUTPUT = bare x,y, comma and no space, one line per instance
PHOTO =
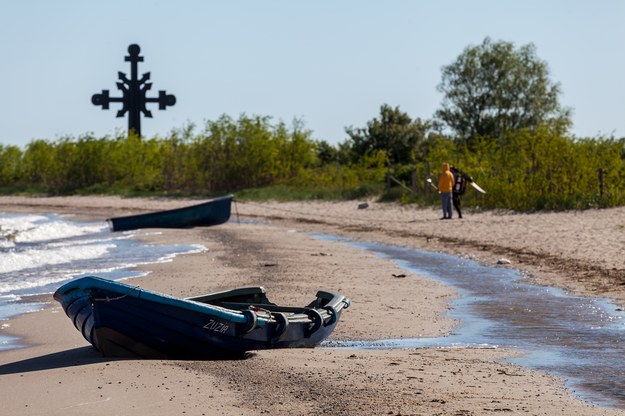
10,159
494,88
394,132
326,153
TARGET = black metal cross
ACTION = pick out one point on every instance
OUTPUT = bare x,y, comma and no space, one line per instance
134,91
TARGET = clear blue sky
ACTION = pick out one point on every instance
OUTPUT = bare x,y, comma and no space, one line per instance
330,63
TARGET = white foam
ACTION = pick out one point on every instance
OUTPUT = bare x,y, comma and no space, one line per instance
56,230
11,225
32,228
7,286
13,261
18,222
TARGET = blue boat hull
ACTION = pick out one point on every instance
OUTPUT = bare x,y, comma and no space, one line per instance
125,321
213,212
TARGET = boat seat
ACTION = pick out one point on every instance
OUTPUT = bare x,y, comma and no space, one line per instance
269,307
255,294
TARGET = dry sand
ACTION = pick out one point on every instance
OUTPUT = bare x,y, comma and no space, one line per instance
60,374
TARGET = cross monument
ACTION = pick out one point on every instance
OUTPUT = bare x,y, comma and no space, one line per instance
134,92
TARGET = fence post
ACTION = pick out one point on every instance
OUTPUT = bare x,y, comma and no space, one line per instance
601,172
426,176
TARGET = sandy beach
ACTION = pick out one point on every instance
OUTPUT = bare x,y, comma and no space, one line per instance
270,244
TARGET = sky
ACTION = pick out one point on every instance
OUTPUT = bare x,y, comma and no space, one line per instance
329,63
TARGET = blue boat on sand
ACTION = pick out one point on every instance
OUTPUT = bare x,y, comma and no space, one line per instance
127,321
212,212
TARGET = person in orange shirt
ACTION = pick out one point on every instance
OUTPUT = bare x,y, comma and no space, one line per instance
445,188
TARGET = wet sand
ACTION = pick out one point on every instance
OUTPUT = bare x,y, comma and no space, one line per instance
272,246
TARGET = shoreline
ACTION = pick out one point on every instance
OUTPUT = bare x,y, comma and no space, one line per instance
280,254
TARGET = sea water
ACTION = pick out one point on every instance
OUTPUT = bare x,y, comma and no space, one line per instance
40,252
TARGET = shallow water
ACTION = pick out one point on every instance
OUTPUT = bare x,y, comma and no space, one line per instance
580,339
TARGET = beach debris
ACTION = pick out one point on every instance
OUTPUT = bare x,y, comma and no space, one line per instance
399,276
364,205
506,373
503,260
8,235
